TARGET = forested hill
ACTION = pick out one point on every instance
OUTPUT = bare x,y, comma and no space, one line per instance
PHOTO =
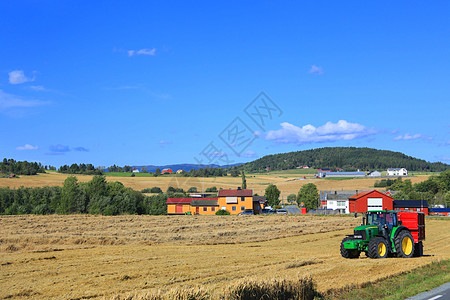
347,158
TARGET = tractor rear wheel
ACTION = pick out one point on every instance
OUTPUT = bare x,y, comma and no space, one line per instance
404,244
348,253
377,248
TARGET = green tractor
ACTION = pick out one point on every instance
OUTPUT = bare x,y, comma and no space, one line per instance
386,233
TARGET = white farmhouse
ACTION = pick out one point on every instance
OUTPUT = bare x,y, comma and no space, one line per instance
374,174
341,205
397,172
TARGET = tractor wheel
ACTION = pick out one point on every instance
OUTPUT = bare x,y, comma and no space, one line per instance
404,244
348,253
377,248
418,249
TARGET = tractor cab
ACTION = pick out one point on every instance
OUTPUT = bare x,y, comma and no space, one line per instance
381,219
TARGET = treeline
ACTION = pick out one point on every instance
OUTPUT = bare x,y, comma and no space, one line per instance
94,197
10,166
436,189
87,169
348,158
207,172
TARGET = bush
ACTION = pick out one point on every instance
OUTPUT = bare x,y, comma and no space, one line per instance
222,212
156,189
211,190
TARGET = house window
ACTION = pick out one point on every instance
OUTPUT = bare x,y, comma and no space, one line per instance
233,208
224,208
341,203
242,199
205,209
242,207
213,208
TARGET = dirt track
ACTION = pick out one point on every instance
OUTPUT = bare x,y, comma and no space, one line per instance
89,269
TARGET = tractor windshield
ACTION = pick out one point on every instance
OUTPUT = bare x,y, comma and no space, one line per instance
382,219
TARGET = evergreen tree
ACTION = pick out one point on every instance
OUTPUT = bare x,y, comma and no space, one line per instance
244,181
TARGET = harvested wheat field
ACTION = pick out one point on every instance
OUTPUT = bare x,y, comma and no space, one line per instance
287,183
81,256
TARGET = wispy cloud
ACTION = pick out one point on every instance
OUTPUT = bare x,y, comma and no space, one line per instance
27,147
329,132
81,149
315,70
249,154
18,77
408,137
38,88
59,148
12,101
150,52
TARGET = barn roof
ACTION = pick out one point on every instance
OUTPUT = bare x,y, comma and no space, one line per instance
365,193
205,202
410,203
178,200
235,193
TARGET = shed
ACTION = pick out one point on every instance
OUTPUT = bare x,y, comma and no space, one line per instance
411,205
370,200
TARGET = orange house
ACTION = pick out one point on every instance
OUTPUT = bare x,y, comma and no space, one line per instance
235,201
193,206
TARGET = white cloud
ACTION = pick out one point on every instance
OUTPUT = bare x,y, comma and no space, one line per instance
316,70
249,154
407,137
10,101
150,52
27,147
38,88
18,77
329,132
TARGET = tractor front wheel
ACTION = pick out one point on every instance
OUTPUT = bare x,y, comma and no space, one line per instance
348,253
404,244
377,248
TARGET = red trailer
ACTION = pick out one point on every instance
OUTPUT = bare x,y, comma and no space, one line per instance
415,222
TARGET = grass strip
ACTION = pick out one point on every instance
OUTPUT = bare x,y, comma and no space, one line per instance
401,286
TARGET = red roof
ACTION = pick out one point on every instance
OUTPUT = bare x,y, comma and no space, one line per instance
179,200
365,193
235,193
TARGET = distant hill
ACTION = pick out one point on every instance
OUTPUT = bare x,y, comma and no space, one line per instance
348,158
185,167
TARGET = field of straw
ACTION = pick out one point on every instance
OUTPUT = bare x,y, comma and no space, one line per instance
78,256
288,183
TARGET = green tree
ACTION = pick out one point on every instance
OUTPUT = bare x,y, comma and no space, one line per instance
309,195
192,189
292,197
272,195
244,181
73,198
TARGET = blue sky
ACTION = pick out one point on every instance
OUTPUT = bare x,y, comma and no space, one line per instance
146,82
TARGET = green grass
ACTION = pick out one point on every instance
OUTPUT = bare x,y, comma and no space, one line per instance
124,174
398,287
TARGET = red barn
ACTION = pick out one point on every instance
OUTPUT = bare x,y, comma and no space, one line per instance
370,200
169,171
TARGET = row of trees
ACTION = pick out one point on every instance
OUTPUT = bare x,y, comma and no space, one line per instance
348,158
436,189
87,169
10,166
308,195
95,197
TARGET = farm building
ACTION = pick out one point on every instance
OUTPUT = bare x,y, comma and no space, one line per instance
374,174
179,171
370,200
397,172
411,205
168,171
323,174
136,171
336,200
439,211
233,201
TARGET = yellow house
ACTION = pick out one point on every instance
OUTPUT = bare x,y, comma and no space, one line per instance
235,201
